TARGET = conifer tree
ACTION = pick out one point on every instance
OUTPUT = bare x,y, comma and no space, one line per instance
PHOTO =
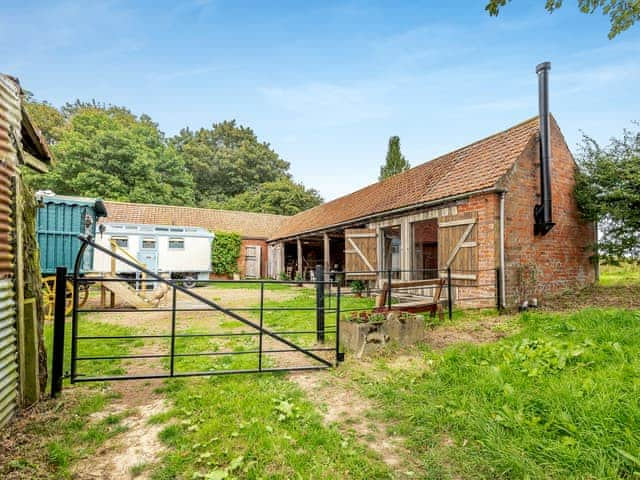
395,161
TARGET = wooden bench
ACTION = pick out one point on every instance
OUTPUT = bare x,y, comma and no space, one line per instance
432,305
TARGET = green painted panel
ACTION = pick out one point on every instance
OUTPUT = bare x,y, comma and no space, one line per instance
58,224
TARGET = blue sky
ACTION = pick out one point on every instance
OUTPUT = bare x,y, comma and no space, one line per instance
326,83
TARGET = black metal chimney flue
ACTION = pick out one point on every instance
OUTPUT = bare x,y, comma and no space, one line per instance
542,212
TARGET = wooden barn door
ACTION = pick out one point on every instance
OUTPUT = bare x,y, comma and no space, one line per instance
458,247
253,261
361,253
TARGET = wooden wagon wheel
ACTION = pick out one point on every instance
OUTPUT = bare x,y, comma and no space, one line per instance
49,295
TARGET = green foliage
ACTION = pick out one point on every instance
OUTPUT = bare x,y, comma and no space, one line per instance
283,197
557,400
608,190
283,276
48,119
227,160
106,151
109,152
256,426
622,13
60,435
225,252
395,162
357,286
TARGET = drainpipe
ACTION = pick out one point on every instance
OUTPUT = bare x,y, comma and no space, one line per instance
503,292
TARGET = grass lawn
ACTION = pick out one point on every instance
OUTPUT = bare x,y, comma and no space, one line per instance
255,427
557,400
557,397
617,275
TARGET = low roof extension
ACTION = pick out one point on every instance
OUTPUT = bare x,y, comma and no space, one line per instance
247,224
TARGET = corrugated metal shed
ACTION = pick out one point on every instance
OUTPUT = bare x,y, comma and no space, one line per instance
8,353
10,135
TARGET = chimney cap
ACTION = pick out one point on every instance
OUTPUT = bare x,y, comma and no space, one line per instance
543,66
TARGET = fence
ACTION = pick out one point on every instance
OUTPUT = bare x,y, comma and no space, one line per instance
459,289
257,333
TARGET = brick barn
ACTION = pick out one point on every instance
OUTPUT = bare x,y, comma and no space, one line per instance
503,201
254,228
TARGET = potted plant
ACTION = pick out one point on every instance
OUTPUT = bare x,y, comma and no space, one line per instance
357,287
299,279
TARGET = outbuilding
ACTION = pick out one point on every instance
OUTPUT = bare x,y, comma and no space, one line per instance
499,215
22,357
254,228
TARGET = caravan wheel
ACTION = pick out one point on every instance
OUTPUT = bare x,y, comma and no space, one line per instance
188,281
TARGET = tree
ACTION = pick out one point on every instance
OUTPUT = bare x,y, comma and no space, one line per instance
395,161
227,160
608,191
48,119
283,197
622,13
109,152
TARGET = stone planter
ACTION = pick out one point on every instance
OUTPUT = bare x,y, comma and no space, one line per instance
366,338
405,329
361,338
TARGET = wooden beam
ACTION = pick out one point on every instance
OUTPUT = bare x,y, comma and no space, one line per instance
299,252
33,162
457,223
327,254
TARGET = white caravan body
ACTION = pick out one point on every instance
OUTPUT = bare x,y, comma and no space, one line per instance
179,251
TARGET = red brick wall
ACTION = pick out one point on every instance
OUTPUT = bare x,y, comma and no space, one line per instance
561,257
483,293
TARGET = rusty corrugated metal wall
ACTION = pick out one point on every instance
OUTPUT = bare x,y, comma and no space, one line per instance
10,132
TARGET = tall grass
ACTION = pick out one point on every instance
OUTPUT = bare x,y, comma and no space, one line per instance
558,400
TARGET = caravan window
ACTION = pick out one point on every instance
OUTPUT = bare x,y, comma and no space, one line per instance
176,242
121,241
149,243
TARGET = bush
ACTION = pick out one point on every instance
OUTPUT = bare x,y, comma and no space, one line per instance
357,286
225,253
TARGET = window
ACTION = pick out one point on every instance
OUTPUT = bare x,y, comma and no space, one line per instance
122,242
149,243
176,242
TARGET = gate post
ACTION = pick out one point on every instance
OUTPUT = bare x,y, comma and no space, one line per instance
339,354
449,290
389,288
57,362
320,303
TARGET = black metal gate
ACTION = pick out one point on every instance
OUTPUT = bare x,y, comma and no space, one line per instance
268,342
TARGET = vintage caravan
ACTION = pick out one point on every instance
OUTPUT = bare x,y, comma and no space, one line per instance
178,252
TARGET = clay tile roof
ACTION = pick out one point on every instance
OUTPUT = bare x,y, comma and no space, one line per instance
475,167
249,225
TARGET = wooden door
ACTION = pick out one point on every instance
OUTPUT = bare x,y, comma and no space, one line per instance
458,246
252,261
360,253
